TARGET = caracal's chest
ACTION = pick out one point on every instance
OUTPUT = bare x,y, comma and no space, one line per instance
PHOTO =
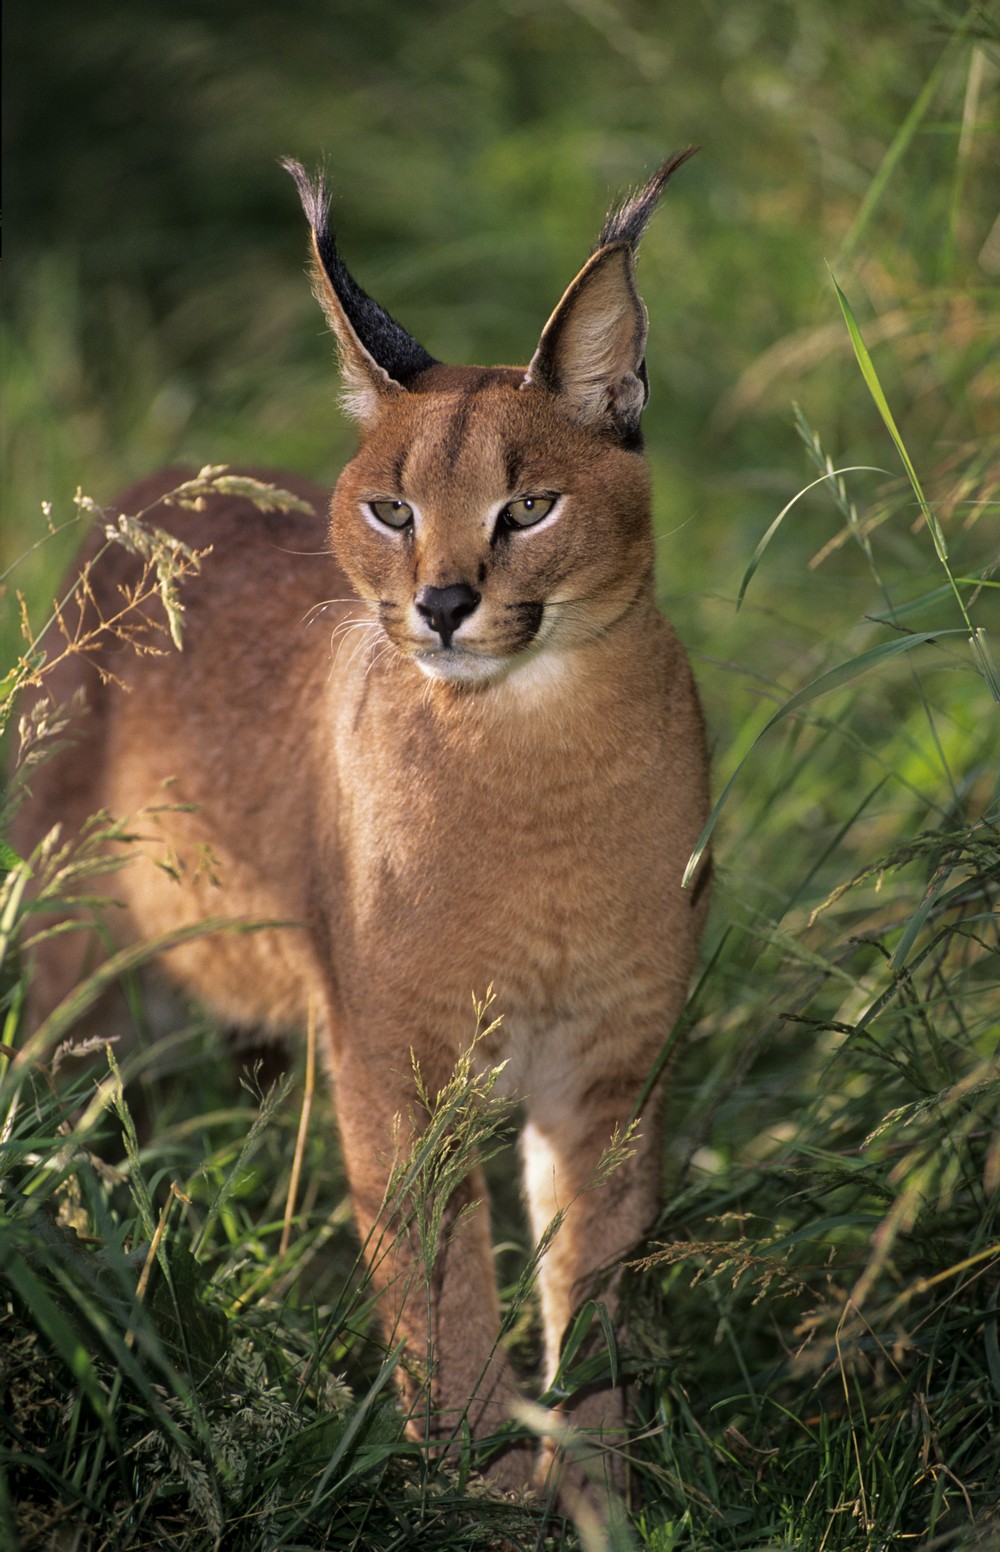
523,845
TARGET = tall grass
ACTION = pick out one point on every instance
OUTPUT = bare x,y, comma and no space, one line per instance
189,1356
838,1252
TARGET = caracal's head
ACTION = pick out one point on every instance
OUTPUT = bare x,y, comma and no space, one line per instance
494,515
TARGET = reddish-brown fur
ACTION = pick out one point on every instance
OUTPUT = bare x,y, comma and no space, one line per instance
512,808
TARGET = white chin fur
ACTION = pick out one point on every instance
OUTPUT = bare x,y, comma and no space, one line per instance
462,667
538,671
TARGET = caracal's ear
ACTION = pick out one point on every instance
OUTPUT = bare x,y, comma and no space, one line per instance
377,356
592,350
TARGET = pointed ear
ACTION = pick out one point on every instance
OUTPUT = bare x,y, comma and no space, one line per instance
378,358
592,349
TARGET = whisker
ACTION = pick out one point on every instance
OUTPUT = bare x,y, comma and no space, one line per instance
326,603
367,642
346,626
366,629
390,649
353,623
367,633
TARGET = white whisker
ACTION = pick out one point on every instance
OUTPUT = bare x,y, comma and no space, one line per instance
352,624
389,649
327,603
368,641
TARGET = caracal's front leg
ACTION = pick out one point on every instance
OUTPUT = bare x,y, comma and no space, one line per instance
440,1298
563,1143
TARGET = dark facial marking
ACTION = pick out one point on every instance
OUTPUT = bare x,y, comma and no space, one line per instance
399,468
527,620
513,464
458,425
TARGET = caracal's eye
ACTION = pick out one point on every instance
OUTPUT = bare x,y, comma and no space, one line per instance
393,514
527,510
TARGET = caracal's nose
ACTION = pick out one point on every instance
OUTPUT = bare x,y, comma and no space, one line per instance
444,608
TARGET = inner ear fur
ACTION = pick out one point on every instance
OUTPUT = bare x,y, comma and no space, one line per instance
591,350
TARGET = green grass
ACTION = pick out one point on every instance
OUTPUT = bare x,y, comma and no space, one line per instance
189,1356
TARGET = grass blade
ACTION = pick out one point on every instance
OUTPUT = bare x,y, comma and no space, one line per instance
831,680
882,404
830,474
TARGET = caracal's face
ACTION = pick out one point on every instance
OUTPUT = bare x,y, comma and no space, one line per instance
484,527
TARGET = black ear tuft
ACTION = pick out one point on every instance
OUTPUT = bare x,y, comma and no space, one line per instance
386,341
627,221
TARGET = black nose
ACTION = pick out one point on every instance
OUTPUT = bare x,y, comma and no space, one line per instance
444,608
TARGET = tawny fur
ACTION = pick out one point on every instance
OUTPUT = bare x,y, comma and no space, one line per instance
517,814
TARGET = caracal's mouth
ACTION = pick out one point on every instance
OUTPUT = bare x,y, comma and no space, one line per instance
460,664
